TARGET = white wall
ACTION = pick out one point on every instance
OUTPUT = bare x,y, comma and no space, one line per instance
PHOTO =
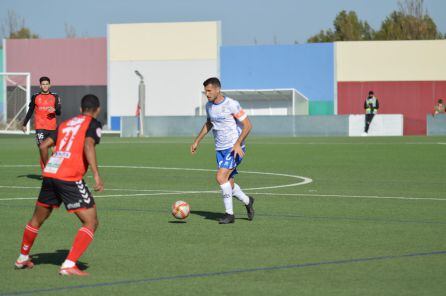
382,125
172,87
174,58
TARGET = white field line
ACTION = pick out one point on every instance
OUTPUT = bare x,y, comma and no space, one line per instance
305,180
171,192
281,143
254,193
349,196
106,189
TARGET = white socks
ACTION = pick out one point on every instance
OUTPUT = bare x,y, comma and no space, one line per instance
226,192
22,258
68,264
239,194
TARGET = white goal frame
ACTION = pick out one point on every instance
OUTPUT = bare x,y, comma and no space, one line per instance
26,89
295,102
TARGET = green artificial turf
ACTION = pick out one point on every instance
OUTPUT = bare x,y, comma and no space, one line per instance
371,222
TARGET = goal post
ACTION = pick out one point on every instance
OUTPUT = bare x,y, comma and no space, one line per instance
15,95
276,102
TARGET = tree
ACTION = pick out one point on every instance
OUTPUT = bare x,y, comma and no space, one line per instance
13,27
410,22
70,31
23,33
322,36
347,27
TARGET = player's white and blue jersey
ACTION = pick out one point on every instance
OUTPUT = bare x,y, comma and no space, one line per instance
226,118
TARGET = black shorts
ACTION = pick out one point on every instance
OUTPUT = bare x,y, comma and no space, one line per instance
42,134
74,194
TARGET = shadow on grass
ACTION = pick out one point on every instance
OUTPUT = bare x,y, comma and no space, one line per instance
212,215
55,258
208,215
31,176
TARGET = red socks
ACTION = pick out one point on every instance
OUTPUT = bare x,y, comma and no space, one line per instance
81,242
29,236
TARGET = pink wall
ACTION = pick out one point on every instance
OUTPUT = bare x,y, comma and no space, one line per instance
413,99
74,61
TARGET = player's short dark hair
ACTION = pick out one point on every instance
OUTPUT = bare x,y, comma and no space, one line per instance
90,103
440,101
371,92
213,80
44,78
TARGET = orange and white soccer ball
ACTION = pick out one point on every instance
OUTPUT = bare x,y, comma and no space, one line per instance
180,209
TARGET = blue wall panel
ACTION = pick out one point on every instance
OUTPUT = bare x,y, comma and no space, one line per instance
115,124
309,68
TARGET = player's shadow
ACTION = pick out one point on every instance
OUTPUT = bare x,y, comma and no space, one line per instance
208,215
55,258
31,176
212,215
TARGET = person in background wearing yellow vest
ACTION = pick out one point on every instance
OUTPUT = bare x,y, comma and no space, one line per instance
371,106
439,108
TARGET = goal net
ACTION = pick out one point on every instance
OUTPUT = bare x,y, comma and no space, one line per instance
15,95
255,102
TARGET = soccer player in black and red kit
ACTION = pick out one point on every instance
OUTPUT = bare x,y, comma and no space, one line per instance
63,174
45,105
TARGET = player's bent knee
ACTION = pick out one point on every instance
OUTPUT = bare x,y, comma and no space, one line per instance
221,179
34,222
93,224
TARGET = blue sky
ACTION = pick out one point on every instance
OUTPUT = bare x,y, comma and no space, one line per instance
243,21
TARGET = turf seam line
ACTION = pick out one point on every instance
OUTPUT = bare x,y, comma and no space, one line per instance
281,215
229,272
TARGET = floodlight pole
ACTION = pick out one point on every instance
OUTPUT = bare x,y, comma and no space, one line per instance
142,102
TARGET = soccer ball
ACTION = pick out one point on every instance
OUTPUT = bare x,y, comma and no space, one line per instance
180,209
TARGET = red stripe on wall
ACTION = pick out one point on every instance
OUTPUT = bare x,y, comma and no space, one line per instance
413,99
73,61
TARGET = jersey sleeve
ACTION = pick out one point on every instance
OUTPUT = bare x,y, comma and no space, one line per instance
57,104
31,107
94,131
207,111
237,111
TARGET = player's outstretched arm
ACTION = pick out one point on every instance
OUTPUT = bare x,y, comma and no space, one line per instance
206,128
44,148
90,154
58,106
247,126
28,115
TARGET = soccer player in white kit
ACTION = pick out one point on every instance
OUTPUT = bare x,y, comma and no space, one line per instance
230,126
